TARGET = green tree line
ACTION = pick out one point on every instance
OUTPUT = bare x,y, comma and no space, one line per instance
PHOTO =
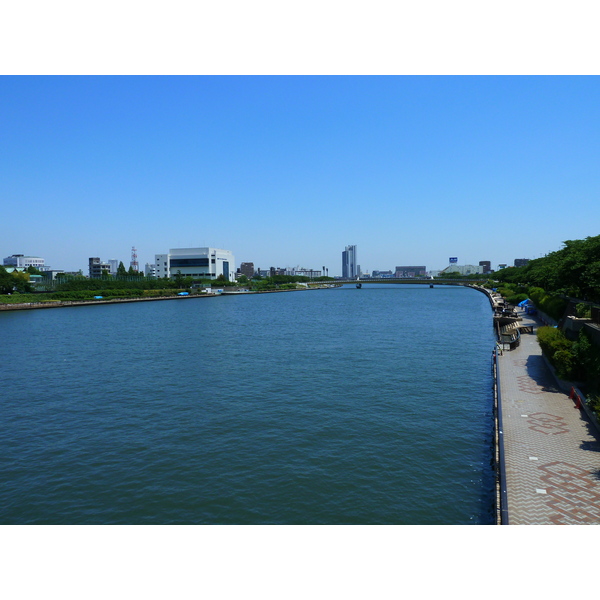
15,281
572,271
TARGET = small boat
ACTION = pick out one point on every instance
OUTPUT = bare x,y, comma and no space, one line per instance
358,286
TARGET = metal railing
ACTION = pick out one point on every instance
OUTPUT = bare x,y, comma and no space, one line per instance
500,465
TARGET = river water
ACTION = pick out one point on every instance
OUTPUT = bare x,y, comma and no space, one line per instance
338,406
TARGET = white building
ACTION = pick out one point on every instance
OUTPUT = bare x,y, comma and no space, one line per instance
20,261
150,270
303,272
114,265
200,263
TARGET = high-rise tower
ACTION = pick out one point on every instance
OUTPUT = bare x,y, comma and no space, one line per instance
349,266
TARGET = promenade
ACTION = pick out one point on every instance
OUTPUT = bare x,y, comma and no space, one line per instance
551,450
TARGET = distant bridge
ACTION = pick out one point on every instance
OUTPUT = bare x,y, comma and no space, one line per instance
419,280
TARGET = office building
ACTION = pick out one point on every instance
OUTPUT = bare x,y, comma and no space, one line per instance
382,274
521,262
97,268
410,271
200,263
349,266
487,266
247,269
312,273
114,265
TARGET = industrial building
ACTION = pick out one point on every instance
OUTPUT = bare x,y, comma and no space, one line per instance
463,269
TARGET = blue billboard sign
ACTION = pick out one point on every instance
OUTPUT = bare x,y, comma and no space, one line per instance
453,259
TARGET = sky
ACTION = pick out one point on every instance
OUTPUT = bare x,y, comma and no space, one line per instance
286,171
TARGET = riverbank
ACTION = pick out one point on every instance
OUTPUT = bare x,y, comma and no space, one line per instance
545,450
94,302
546,444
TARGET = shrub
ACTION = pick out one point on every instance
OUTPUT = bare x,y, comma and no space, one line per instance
514,300
587,359
565,365
505,291
553,306
559,351
593,401
584,311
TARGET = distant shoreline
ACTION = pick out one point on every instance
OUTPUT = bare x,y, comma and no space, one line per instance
69,303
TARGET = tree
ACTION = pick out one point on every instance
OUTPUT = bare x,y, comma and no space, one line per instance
121,270
574,270
21,282
7,284
178,279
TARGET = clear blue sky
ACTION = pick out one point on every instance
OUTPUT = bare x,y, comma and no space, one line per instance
288,170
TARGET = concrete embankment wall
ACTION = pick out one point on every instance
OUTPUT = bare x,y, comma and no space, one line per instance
501,508
62,304
499,454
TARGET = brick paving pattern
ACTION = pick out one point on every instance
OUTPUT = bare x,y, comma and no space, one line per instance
552,451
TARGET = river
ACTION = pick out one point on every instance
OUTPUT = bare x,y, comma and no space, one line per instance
337,406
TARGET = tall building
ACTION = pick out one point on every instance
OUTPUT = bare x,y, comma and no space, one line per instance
114,265
247,269
202,263
487,265
521,262
349,266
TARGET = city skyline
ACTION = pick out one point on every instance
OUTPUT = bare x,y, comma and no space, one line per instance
349,254
284,171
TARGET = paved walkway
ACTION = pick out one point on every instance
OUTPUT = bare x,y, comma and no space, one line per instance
552,451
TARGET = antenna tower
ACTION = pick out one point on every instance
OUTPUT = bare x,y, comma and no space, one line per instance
134,261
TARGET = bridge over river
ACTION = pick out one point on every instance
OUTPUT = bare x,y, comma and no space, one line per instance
419,280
